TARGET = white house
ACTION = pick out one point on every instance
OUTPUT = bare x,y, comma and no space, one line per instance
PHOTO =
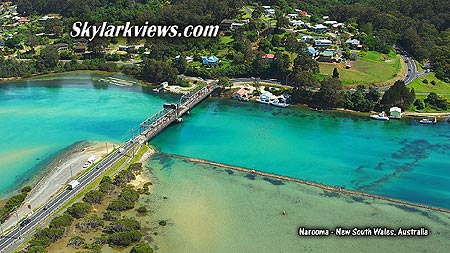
319,28
323,43
296,22
307,39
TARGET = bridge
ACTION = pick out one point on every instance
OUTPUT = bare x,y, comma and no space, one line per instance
170,113
147,130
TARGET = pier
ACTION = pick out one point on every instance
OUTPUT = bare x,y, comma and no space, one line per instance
171,113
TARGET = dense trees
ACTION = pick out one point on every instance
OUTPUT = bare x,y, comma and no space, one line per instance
398,95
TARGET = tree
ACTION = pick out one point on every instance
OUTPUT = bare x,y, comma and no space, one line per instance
335,73
62,221
76,242
124,238
94,197
157,71
257,12
79,210
419,104
437,102
328,96
47,59
305,63
304,78
224,82
141,248
398,95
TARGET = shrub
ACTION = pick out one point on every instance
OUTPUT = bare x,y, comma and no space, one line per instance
162,223
79,210
433,82
120,205
61,221
425,81
94,197
142,209
124,238
141,248
123,225
26,189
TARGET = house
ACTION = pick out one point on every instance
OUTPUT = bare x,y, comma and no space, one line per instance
319,28
241,94
229,24
395,112
80,49
123,48
354,44
313,52
296,22
23,20
188,58
330,22
307,39
328,55
61,46
269,11
292,15
323,43
45,18
269,57
210,61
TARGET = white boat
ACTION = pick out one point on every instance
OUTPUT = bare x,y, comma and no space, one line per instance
263,99
380,116
279,104
428,121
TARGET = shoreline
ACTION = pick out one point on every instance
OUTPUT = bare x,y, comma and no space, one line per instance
310,183
56,174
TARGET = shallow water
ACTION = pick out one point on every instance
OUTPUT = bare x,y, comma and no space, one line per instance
44,115
210,209
399,159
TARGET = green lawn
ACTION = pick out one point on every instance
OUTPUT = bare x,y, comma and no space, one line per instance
370,68
226,39
423,89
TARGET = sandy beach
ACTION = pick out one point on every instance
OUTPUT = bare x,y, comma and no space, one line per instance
64,170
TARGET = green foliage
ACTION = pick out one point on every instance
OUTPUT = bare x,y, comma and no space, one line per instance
47,59
61,221
50,234
328,96
90,223
398,95
26,189
224,82
158,71
419,104
36,249
141,248
162,223
110,215
129,194
79,210
142,209
437,102
124,238
76,242
123,177
335,73
120,205
123,225
94,197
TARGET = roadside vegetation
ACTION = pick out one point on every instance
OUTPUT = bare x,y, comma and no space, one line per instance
99,219
13,202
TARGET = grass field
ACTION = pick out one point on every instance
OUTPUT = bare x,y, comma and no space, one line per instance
370,68
423,89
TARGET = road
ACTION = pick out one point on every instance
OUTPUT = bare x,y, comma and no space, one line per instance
13,238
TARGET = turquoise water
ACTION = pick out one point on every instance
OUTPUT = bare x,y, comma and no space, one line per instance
41,117
399,159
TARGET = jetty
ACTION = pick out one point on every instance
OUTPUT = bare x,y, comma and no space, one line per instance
171,113
310,183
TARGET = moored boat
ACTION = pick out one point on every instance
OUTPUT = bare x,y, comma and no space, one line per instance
263,99
380,116
428,121
279,104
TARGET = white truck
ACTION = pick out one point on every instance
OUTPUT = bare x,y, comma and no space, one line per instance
72,184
